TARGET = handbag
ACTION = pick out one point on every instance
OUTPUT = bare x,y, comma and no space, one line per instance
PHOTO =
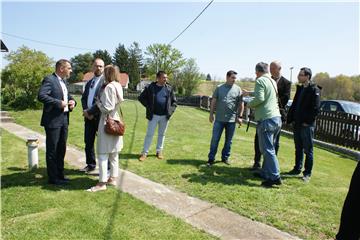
115,127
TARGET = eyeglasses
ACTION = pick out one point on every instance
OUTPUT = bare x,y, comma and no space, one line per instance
300,74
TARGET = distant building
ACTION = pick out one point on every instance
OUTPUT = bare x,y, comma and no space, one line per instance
79,87
142,84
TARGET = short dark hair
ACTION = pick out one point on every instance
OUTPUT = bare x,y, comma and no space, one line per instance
307,71
230,72
61,63
159,73
262,67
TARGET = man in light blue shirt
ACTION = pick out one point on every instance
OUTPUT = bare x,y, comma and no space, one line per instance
91,113
229,109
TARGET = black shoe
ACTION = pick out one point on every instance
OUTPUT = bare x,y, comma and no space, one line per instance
293,172
255,167
270,183
209,163
226,161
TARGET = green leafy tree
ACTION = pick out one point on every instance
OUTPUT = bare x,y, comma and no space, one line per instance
81,64
21,78
104,55
135,64
121,58
163,57
190,77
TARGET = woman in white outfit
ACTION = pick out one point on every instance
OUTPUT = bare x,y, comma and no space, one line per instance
108,146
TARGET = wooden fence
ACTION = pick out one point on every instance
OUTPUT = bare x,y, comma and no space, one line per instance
333,127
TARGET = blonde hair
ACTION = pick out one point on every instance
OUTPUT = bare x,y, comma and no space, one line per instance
110,73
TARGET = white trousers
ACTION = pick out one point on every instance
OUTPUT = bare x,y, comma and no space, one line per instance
113,160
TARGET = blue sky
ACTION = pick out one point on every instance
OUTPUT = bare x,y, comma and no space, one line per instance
229,35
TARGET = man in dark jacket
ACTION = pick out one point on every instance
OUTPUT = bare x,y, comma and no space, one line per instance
284,89
91,113
302,114
159,100
58,103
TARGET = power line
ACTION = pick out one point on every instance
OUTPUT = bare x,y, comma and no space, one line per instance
46,43
191,22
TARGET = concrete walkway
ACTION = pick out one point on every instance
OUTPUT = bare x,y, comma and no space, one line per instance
214,220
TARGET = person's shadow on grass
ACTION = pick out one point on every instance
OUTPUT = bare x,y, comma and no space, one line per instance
217,173
20,177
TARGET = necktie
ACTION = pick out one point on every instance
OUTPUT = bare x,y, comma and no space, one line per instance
92,83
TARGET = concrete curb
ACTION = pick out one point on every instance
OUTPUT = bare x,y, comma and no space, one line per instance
214,220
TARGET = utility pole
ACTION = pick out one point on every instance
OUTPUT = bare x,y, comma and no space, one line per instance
291,68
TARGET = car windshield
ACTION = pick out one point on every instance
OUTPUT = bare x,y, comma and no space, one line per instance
351,107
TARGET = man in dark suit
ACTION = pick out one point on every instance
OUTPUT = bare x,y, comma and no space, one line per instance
58,103
91,113
284,89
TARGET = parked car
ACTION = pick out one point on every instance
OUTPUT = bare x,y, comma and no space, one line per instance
340,106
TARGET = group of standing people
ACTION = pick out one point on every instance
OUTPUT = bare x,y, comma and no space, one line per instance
270,96
103,95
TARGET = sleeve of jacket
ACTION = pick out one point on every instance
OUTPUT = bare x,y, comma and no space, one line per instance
290,114
286,95
84,96
45,96
315,105
144,96
173,104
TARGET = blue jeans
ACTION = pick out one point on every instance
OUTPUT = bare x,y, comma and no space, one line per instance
162,122
216,135
303,139
267,131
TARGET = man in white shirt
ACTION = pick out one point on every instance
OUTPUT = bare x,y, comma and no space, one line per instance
91,113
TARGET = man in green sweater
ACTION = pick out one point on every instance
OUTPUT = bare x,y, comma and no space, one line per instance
267,115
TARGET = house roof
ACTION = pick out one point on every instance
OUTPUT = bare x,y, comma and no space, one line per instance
123,78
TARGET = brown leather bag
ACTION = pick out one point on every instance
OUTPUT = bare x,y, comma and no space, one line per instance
114,127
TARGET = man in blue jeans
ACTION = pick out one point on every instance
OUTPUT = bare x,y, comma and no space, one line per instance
267,115
302,114
229,109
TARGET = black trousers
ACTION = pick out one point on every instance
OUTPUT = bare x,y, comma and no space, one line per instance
91,127
257,157
349,223
55,152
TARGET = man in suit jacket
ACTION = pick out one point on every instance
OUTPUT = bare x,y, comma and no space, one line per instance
58,103
284,89
91,113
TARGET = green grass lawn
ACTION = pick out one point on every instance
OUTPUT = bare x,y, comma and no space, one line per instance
31,209
310,211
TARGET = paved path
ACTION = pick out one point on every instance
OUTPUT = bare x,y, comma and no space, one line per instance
214,220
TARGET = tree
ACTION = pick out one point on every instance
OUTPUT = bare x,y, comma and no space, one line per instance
208,77
190,77
163,57
81,64
121,58
134,64
104,55
21,78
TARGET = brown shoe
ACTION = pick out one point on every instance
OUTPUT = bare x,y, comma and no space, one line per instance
142,157
159,155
